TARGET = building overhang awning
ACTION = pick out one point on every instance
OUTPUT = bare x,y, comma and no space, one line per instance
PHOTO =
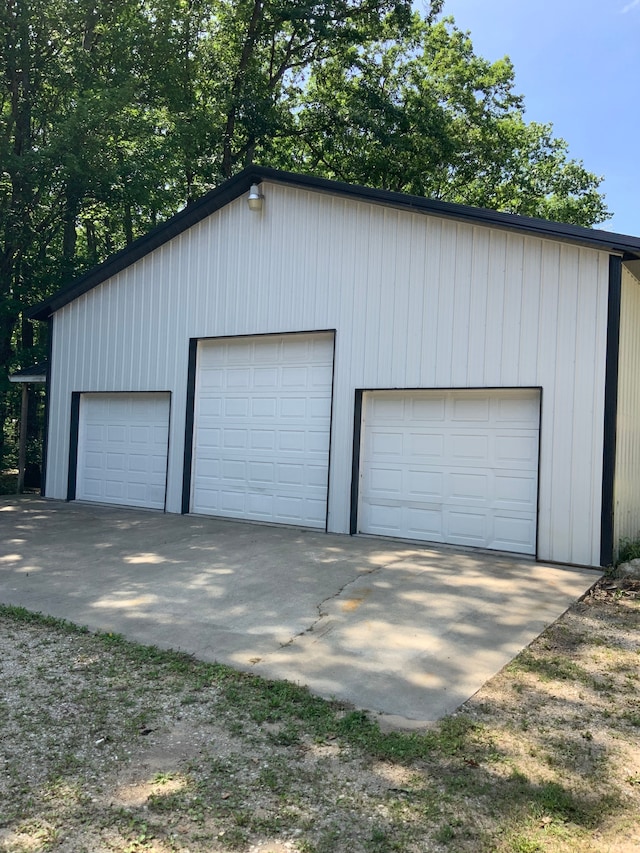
35,373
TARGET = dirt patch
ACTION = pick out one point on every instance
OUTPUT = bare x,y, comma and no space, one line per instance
108,746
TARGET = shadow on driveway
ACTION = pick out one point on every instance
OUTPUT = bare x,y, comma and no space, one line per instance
402,630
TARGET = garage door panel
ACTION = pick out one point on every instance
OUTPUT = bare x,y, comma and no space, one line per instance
261,472
467,527
468,447
211,379
468,409
450,468
515,492
469,487
114,489
425,484
122,448
272,439
425,523
384,517
432,410
263,440
387,411
427,444
520,410
512,533
238,377
386,481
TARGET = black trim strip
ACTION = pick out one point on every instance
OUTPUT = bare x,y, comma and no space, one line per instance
355,462
188,426
166,470
329,454
607,545
540,403
73,446
437,388
236,186
47,409
267,334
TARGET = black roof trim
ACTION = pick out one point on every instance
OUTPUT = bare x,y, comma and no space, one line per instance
217,198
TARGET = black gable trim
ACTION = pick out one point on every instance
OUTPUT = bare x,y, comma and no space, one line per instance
227,192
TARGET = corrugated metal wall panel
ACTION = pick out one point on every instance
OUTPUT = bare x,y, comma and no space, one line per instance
416,301
627,476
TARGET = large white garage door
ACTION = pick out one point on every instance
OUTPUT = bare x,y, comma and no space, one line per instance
261,428
122,449
458,467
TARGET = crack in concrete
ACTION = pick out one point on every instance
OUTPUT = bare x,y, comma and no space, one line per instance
322,615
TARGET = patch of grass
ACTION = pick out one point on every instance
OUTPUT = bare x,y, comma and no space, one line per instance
628,549
524,844
631,717
551,668
27,617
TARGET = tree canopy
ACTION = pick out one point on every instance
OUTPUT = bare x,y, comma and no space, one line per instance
115,115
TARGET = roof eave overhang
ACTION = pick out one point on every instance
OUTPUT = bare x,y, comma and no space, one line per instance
26,379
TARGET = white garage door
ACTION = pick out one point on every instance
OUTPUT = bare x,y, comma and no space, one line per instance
122,449
261,428
458,467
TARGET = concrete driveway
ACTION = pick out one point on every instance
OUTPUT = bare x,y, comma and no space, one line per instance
405,631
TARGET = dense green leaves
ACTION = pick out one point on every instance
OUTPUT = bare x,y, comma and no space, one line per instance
115,115
422,113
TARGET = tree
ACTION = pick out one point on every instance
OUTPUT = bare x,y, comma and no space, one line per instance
422,113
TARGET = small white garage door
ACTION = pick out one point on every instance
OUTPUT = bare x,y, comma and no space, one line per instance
458,467
122,449
261,428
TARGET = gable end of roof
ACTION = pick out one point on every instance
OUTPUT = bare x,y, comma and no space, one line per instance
628,247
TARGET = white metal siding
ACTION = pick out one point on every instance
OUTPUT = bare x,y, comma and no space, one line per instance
416,301
459,467
122,449
627,472
262,427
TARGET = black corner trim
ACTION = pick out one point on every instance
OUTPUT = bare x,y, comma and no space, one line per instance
73,446
188,426
47,409
355,464
607,545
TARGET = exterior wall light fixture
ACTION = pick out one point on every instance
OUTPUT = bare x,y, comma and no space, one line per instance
255,199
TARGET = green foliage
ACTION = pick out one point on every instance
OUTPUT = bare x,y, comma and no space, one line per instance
628,549
420,112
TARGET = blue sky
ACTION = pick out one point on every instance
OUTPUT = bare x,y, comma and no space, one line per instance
577,63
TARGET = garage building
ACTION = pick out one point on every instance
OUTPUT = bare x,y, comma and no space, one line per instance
357,361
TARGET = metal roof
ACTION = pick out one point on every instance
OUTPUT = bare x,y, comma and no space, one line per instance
627,246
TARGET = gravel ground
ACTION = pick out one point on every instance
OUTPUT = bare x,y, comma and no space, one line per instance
109,746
